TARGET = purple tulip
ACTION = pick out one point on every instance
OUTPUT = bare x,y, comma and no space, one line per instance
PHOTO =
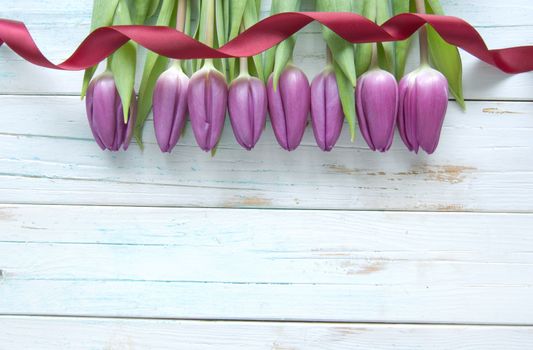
289,106
106,116
377,106
423,104
326,110
170,107
247,105
207,99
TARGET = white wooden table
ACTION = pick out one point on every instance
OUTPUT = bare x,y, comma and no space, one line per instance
264,249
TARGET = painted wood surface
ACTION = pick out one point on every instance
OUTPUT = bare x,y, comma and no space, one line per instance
277,265
484,163
67,333
265,249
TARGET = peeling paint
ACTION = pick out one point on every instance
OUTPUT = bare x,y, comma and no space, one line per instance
499,111
353,268
254,201
452,174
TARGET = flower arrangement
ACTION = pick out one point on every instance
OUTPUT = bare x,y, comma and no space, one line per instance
212,65
272,82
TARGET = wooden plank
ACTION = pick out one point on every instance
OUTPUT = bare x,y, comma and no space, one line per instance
59,26
276,265
48,156
42,333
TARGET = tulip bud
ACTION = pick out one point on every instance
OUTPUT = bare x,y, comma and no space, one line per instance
377,106
207,99
423,104
106,116
170,107
247,105
289,106
326,110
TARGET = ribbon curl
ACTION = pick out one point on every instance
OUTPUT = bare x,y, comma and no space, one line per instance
354,28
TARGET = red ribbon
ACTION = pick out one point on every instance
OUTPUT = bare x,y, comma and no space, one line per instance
265,34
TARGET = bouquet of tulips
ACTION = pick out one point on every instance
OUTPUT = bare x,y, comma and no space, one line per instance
359,83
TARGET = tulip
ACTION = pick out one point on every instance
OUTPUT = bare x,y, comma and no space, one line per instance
170,107
289,104
247,105
377,106
207,99
326,110
106,116
423,104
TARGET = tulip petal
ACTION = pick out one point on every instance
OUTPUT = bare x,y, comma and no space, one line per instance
170,107
277,114
334,112
89,107
259,96
326,110
361,117
247,107
432,103
318,110
104,111
131,123
296,97
207,101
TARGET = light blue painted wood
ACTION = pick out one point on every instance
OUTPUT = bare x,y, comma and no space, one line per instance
349,259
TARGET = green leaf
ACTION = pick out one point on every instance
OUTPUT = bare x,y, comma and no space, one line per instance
124,62
154,5
277,58
146,94
251,17
363,53
434,7
385,59
103,13
236,13
123,68
401,48
283,56
220,23
140,10
445,57
347,96
153,67
385,50
342,51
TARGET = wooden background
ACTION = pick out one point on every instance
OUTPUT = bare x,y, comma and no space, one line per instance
264,249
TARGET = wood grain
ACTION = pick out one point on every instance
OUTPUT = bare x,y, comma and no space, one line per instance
276,265
484,163
142,250
41,333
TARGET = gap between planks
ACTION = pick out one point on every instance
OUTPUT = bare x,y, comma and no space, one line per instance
267,321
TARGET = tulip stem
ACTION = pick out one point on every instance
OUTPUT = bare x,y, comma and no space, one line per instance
210,23
374,63
210,28
243,61
423,33
243,65
181,17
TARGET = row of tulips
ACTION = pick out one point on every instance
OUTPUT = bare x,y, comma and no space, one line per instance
416,106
